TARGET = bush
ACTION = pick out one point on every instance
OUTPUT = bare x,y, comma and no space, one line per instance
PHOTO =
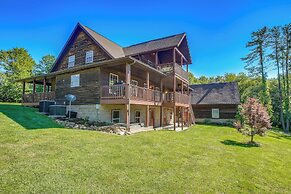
253,119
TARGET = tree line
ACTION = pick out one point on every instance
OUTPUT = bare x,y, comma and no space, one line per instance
269,49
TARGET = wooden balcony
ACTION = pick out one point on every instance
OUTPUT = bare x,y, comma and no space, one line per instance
117,94
173,68
34,98
180,99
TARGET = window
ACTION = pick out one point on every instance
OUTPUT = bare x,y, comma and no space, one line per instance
215,113
137,116
115,116
113,79
71,62
89,56
75,80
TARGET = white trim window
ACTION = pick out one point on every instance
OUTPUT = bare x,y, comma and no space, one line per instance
89,57
137,116
75,80
115,115
71,61
113,79
215,113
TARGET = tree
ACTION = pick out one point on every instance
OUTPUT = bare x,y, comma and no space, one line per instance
287,65
44,66
15,64
255,60
254,119
275,43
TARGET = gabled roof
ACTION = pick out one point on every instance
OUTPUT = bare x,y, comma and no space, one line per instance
111,48
115,51
157,44
215,93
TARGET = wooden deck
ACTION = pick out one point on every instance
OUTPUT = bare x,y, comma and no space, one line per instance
34,98
116,94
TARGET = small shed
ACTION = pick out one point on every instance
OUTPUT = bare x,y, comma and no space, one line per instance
217,102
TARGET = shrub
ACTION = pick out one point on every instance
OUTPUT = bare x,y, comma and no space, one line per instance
253,119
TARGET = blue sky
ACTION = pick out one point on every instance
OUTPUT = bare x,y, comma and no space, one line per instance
217,30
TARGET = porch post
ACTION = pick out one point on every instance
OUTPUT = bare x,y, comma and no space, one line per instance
188,115
147,106
182,87
33,90
127,93
174,101
174,55
44,85
161,107
182,112
23,87
157,58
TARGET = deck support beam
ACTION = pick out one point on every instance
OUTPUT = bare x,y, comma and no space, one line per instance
127,95
147,106
44,85
174,101
182,114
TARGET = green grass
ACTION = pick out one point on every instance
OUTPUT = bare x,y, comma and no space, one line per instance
38,157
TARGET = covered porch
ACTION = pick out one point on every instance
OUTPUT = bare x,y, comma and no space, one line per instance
37,88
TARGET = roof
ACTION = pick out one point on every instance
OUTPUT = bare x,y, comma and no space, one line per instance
111,47
215,93
161,43
116,51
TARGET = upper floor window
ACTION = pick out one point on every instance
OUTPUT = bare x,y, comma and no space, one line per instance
75,80
71,62
89,56
113,79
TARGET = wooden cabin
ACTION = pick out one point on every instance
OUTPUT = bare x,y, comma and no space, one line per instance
146,83
216,102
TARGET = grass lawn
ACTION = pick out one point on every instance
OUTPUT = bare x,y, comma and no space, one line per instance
38,156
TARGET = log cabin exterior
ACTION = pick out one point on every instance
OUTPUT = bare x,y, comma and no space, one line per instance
217,102
143,83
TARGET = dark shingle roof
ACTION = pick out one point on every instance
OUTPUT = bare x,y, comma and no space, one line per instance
156,44
215,93
111,47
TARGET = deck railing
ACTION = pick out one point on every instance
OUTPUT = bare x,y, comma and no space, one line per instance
179,98
171,68
36,97
135,92
114,91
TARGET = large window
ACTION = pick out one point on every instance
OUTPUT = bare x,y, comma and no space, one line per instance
215,113
115,116
113,79
137,116
89,56
75,80
71,62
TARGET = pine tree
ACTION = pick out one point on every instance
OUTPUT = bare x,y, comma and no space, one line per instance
275,43
255,62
